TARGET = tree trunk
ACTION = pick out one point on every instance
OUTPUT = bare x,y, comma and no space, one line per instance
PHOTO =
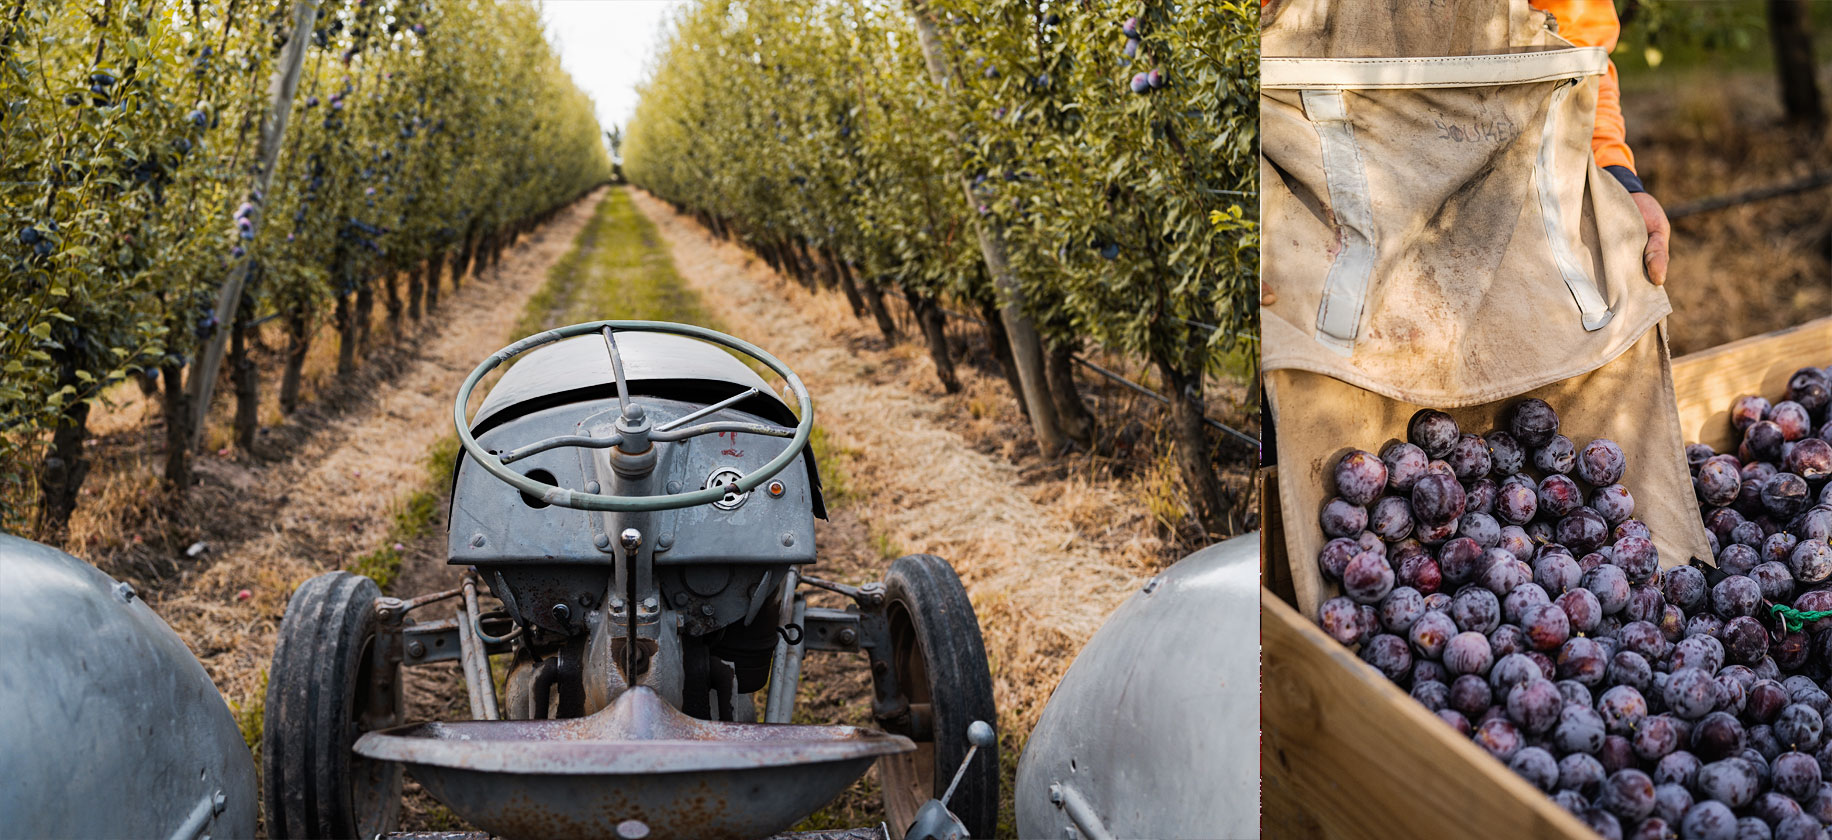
177,427
931,321
435,266
798,263
823,264
61,475
822,279
414,290
467,254
498,243
874,300
843,279
281,89
365,315
773,258
392,299
247,390
242,373
1790,30
346,336
790,265
1077,420
1001,350
298,343
816,277
1026,348
1212,507
779,260
480,257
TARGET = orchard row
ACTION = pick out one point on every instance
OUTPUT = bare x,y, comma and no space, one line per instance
421,135
1071,173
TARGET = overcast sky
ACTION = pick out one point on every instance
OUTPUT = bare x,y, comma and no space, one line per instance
605,44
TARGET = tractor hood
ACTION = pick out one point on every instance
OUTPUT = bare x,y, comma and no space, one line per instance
657,364
577,370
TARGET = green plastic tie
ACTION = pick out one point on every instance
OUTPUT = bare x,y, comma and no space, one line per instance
1795,619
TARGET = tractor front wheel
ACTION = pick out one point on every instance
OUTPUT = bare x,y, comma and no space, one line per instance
939,660
322,693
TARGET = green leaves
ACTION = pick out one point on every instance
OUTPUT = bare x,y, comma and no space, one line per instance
819,122
133,192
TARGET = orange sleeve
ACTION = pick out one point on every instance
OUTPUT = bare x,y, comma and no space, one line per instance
1593,23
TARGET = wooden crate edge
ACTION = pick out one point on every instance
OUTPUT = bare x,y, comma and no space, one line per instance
1369,717
1705,382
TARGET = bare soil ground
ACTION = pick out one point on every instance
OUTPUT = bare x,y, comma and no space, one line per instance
1748,269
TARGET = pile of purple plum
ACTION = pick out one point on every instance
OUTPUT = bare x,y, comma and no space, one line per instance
1504,580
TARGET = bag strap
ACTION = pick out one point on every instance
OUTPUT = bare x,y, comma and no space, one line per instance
1431,72
1584,294
1345,288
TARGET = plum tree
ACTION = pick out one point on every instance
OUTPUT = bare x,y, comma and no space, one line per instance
1033,180
138,196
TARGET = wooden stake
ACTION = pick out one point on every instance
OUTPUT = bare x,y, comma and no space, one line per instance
273,135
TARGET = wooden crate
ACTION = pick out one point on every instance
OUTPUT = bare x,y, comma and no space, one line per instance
1344,753
1707,381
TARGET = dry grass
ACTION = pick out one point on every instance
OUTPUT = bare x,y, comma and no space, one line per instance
1748,269
338,492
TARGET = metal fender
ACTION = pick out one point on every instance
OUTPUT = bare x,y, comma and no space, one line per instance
111,727
1154,730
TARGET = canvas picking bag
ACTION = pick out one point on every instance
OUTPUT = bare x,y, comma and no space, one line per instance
1437,234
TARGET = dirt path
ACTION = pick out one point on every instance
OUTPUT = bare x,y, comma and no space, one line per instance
1045,560
332,500
1698,133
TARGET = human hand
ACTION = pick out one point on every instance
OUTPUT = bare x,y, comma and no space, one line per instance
1654,258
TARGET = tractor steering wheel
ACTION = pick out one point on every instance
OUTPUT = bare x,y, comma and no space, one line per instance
633,415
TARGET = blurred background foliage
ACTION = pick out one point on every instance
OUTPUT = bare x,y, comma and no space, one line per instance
1726,108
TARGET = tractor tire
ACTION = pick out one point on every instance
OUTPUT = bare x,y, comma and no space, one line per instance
939,659
319,685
